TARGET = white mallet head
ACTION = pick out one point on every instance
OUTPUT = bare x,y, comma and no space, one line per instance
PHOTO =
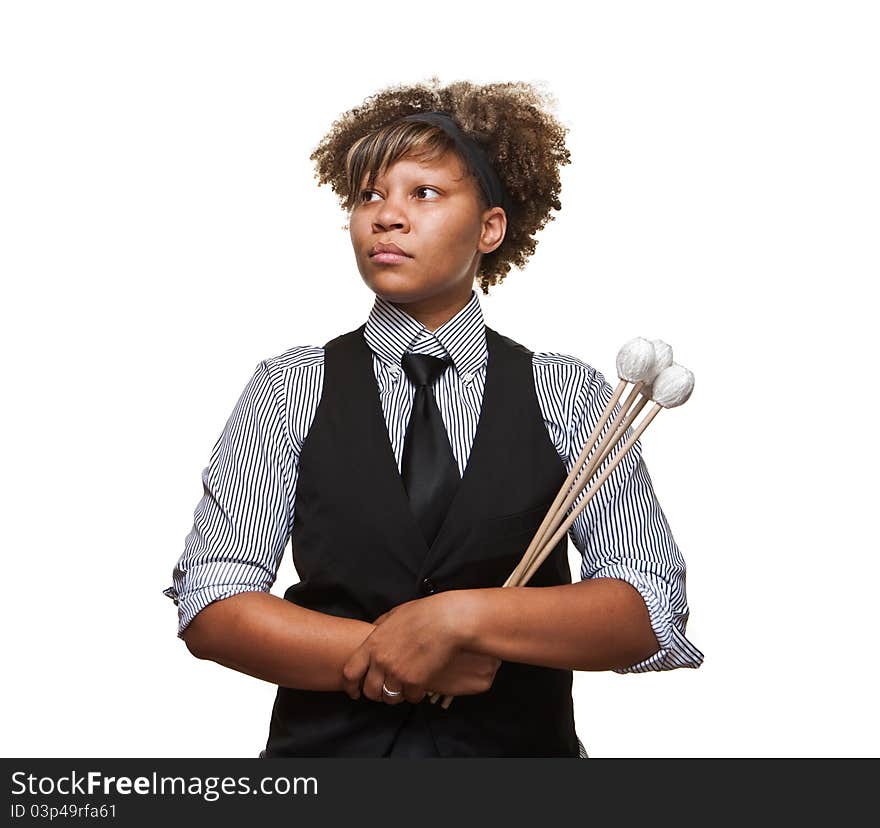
672,386
635,360
662,359
662,355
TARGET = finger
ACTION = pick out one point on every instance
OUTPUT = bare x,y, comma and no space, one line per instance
372,683
393,685
353,671
413,693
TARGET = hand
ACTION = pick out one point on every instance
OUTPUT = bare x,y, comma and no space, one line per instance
467,674
410,644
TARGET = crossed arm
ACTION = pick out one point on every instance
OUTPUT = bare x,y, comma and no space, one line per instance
627,612
589,625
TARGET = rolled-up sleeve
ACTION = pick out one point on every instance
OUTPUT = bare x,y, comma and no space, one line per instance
242,522
622,533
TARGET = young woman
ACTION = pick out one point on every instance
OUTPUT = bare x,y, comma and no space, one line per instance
410,462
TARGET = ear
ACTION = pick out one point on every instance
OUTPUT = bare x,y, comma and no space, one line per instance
494,229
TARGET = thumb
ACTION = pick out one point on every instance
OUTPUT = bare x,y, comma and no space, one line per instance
354,670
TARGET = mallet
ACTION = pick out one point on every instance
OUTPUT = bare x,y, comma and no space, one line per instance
650,367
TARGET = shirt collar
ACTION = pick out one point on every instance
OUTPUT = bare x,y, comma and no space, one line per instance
391,332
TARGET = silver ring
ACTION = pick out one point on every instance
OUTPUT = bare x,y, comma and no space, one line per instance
390,692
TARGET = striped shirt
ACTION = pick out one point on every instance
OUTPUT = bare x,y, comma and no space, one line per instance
244,520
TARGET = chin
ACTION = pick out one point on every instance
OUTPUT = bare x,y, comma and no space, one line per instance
394,285
403,296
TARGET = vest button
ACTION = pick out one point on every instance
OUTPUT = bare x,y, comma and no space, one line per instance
428,586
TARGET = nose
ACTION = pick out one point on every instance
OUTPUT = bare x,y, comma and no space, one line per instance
390,214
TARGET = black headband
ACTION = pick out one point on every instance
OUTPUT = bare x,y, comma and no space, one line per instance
488,179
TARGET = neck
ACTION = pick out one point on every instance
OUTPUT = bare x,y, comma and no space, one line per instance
434,312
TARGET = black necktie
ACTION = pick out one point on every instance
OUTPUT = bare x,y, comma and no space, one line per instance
429,470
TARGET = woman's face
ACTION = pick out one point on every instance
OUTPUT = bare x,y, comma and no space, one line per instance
432,212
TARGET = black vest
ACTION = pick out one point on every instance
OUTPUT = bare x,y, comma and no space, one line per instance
359,552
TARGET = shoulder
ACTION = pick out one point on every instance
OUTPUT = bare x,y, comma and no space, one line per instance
565,386
293,366
295,377
565,372
556,370
295,358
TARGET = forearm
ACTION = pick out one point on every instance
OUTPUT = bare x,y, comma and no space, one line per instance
275,640
593,624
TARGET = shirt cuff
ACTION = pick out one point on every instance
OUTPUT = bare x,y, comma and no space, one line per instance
192,603
675,649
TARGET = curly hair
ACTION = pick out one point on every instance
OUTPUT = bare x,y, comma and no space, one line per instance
511,121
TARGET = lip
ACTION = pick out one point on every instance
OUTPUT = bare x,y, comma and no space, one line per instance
389,258
388,252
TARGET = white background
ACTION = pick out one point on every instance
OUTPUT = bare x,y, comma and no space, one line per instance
162,233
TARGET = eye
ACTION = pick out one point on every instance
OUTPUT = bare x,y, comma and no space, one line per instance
428,188
365,195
